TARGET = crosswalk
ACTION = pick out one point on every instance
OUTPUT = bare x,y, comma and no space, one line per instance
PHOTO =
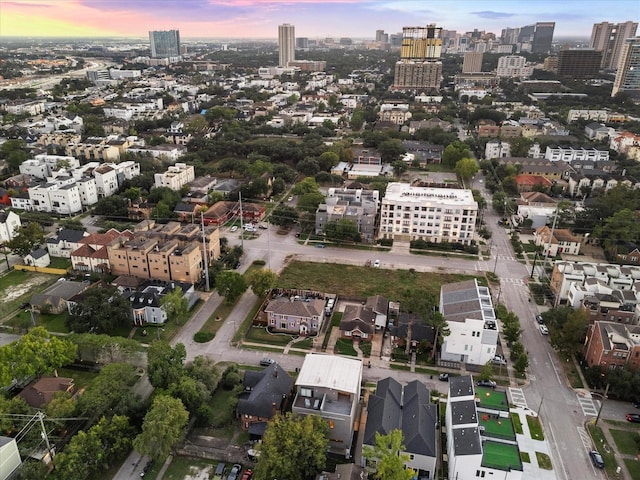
588,405
514,281
584,436
517,397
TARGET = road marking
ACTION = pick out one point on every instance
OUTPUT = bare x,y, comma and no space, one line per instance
586,442
588,405
517,397
554,367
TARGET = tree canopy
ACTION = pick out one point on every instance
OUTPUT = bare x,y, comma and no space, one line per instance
176,306
230,285
101,310
262,281
165,364
389,460
293,447
26,238
162,428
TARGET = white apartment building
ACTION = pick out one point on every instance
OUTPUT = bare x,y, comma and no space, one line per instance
20,107
42,165
427,213
167,152
175,177
513,66
472,322
569,154
88,191
583,114
55,197
497,149
106,180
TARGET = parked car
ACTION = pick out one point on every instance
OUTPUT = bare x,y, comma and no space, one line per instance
320,245
146,468
234,228
265,362
290,198
539,319
235,471
443,377
636,403
262,226
221,468
499,360
247,475
596,459
376,264
544,330
487,383
253,454
633,417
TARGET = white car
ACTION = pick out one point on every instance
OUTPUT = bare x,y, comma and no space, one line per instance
234,228
544,330
376,264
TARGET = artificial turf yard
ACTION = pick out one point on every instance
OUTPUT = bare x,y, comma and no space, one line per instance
496,427
501,456
361,282
493,399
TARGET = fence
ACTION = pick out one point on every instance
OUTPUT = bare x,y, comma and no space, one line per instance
52,271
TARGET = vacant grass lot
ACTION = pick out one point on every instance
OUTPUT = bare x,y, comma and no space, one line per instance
355,281
17,287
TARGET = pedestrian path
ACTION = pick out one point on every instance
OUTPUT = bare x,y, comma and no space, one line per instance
588,405
517,397
531,469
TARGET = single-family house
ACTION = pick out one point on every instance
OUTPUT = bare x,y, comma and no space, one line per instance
265,394
297,316
380,306
358,322
558,241
329,386
409,330
54,298
9,225
38,258
407,408
65,242
146,302
41,391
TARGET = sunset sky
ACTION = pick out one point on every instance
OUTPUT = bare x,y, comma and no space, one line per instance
312,18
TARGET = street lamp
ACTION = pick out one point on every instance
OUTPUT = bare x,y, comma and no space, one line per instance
604,397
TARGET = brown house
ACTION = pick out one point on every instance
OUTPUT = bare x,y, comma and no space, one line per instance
41,392
298,316
358,322
612,345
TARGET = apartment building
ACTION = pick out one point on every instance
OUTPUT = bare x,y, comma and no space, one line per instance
561,240
355,204
472,322
513,66
497,149
93,148
427,213
43,165
612,345
58,197
175,177
569,154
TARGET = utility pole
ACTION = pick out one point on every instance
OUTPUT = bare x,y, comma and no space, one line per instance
241,222
204,251
548,247
533,269
606,391
268,244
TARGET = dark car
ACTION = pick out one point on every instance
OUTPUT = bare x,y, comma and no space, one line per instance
487,383
596,459
236,266
265,362
24,305
320,245
633,417
444,377
636,403
146,468
539,319
235,472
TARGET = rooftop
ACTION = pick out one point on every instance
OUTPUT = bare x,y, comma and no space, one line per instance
330,371
493,399
494,426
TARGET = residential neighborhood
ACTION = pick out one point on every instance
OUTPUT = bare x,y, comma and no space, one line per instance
408,255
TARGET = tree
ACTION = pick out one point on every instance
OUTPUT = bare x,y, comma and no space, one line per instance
284,215
165,365
162,427
520,146
439,322
33,355
62,405
521,364
113,206
109,391
390,150
230,285
101,310
308,185
486,372
399,167
262,281
389,460
622,226
455,151
175,305
204,370
105,349
343,229
26,239
466,168
309,201
328,160
293,447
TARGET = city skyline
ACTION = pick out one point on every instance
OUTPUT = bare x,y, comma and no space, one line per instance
312,18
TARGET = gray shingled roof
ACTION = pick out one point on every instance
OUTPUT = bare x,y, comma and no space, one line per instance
460,386
466,441
268,387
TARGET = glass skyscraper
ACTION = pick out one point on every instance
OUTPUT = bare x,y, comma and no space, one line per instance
165,43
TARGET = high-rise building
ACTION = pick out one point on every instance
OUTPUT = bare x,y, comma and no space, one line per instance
302,43
579,62
542,37
513,66
472,62
628,75
165,43
608,38
286,44
382,37
419,66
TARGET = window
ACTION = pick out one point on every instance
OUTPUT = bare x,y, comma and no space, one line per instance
306,392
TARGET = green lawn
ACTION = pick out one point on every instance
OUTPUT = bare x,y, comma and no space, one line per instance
626,441
336,318
81,378
361,282
17,287
535,427
497,427
186,467
345,347
605,450
517,424
260,335
524,456
633,466
501,455
544,461
59,262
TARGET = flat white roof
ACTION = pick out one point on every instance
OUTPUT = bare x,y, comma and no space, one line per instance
331,371
404,192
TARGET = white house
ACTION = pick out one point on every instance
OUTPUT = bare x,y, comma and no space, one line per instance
146,304
54,197
175,177
38,258
495,149
562,241
65,242
9,224
106,180
472,323
10,459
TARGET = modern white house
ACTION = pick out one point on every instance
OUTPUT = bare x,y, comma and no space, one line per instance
329,386
175,177
480,443
472,323
9,224
10,459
